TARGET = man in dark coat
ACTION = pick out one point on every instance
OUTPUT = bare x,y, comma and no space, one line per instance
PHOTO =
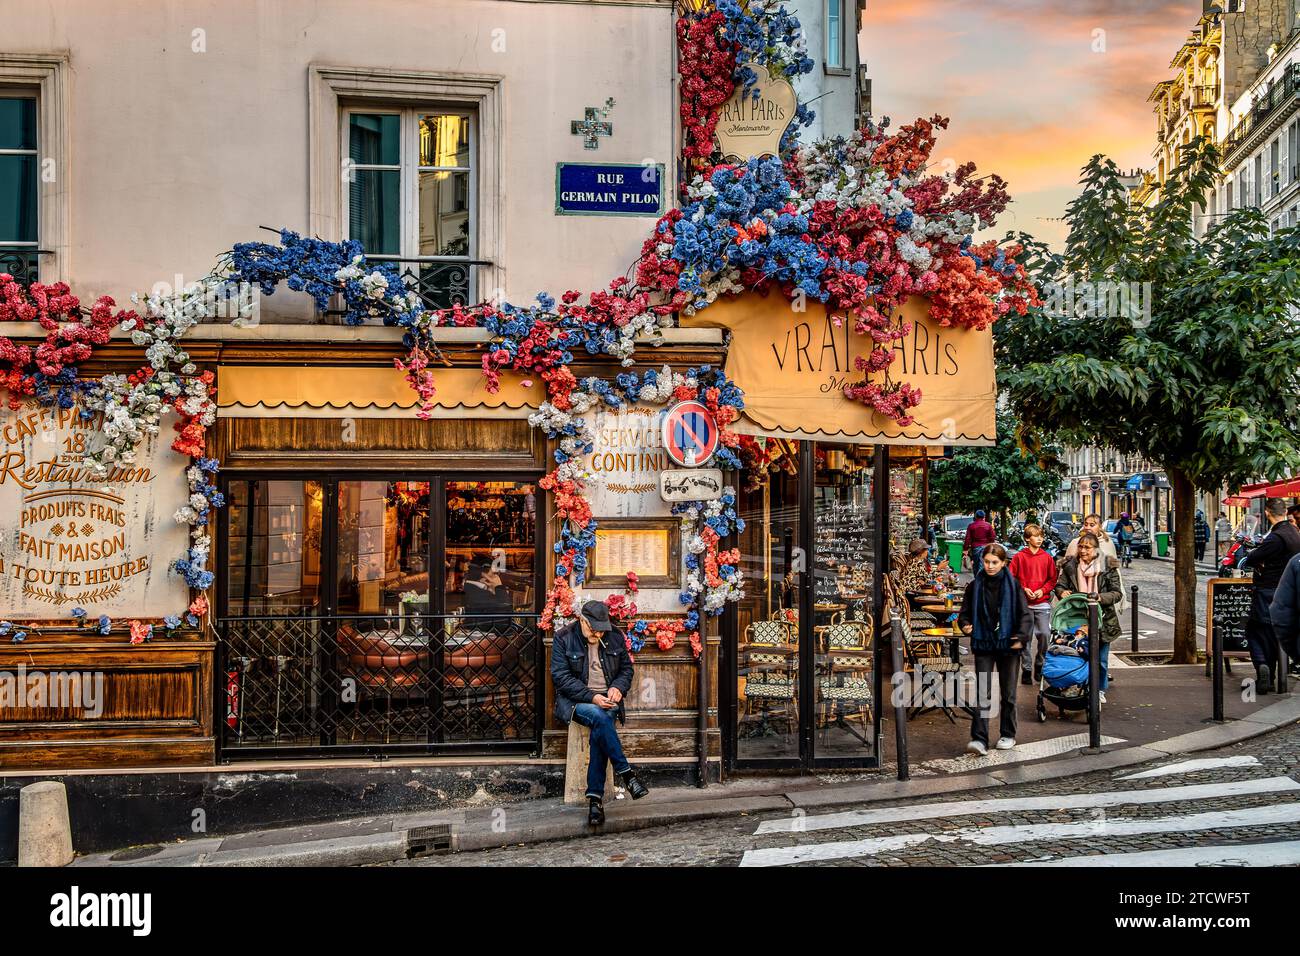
592,673
1285,611
1267,562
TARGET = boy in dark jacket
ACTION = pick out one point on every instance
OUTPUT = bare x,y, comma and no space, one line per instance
1267,562
995,613
592,673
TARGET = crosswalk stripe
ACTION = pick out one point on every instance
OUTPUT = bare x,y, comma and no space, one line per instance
1078,801
1051,747
1286,853
1192,766
1027,833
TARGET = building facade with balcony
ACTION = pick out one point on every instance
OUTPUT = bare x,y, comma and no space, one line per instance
376,583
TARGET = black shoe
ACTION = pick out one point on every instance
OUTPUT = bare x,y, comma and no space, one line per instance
1263,679
1026,678
1038,674
635,788
595,812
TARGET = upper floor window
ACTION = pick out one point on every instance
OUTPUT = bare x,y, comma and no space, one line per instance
18,186
411,195
835,34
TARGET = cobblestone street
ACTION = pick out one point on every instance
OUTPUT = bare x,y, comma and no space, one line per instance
1229,807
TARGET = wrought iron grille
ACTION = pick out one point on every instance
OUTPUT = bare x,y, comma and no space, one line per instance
377,684
22,264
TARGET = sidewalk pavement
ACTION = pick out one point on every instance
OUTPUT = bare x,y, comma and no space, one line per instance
376,840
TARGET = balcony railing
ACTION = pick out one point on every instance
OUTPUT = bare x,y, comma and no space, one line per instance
1204,97
304,684
22,262
1263,108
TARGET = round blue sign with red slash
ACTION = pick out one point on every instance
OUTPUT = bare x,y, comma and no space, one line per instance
690,434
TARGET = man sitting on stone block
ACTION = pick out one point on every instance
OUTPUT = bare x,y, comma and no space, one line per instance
592,672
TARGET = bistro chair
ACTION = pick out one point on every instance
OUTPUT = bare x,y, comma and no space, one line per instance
769,661
845,678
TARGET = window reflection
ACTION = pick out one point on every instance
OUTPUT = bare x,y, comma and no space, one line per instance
274,553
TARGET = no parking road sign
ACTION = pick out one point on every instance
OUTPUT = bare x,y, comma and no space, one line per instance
690,434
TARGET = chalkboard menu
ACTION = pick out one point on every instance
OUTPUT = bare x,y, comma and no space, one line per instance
842,539
1228,603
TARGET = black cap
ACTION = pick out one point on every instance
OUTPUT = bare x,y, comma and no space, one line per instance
597,615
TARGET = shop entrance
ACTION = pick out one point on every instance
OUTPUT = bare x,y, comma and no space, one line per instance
804,681
379,614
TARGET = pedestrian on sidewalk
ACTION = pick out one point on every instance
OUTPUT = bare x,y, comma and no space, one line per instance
1035,571
1202,531
592,673
1124,536
1293,515
979,535
1267,561
1091,572
1285,611
995,613
1092,526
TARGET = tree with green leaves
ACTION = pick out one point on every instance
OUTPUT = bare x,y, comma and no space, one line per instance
1007,477
1155,341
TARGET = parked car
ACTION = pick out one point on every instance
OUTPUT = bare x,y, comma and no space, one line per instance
954,526
1141,537
1066,517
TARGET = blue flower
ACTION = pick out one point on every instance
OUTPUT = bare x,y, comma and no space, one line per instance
78,612
105,624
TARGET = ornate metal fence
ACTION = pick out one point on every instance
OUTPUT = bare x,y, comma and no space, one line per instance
366,684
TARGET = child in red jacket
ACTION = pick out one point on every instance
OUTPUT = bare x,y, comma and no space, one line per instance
1035,570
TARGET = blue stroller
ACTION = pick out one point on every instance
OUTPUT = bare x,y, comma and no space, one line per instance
1065,666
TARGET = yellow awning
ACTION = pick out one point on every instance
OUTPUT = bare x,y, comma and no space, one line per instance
288,391
793,366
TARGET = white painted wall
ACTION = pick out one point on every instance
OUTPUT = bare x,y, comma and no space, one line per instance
175,155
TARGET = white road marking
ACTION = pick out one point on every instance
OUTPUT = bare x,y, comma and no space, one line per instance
1243,854
1064,801
1167,619
1027,833
1192,766
1050,747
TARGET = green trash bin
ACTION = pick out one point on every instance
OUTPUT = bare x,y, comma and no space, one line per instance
1162,544
954,553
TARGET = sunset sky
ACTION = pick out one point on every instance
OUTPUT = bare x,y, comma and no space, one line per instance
1027,95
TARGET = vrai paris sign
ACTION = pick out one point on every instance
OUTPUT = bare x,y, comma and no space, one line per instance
69,540
752,126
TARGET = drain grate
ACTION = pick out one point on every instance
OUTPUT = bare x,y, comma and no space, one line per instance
428,841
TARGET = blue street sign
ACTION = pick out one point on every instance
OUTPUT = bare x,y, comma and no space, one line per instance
609,189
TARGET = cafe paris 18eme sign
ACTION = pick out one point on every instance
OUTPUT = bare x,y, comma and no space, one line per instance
70,540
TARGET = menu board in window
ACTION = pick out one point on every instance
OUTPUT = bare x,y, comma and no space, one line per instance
842,530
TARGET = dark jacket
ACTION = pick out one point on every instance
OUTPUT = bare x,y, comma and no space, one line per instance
569,669
1269,559
1017,622
1109,593
1285,610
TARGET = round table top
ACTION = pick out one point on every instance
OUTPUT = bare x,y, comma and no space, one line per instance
938,608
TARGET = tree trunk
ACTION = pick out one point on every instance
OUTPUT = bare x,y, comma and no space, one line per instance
1185,644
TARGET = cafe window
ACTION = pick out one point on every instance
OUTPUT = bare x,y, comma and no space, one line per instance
806,626
367,613
411,195
18,186
375,552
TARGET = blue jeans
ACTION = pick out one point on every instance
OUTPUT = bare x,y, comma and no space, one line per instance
1104,655
605,746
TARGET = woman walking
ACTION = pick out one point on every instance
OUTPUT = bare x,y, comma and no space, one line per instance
1090,572
995,613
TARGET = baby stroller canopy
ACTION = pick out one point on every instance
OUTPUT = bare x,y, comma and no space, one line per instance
1070,613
